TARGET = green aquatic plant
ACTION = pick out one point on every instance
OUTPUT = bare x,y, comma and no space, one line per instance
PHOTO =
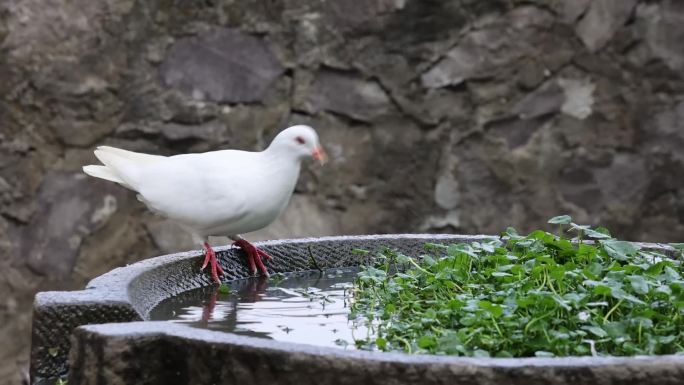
540,294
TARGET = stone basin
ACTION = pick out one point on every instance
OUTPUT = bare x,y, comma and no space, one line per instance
103,334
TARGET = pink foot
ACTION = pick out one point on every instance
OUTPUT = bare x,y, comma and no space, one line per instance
210,258
254,256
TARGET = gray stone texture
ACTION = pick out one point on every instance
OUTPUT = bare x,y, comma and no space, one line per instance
224,65
602,20
110,354
439,115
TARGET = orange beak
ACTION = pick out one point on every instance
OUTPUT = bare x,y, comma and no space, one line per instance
319,155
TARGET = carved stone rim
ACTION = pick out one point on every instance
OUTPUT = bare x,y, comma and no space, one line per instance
178,330
127,294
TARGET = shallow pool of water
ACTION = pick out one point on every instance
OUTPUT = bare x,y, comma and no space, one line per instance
310,308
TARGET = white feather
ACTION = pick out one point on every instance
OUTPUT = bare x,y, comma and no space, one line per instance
103,172
215,193
137,157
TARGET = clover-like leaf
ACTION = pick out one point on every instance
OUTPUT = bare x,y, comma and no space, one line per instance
620,250
561,220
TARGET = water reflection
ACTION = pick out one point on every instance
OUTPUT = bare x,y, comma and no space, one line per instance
250,292
307,308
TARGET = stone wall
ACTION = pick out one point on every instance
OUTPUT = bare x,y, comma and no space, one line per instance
439,115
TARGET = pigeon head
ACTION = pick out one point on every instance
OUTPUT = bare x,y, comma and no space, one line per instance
302,141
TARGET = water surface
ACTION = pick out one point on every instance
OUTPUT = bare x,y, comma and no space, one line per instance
310,307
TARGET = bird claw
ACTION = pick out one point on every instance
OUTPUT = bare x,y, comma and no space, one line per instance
254,257
210,259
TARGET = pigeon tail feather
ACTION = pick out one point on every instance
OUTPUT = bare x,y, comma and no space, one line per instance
136,157
103,172
122,165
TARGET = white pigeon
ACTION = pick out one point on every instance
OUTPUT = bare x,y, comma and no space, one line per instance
227,192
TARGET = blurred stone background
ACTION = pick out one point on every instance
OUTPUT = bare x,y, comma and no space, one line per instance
439,115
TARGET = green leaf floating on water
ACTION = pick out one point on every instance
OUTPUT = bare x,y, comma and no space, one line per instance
523,296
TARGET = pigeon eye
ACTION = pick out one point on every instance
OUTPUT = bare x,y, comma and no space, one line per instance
300,140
